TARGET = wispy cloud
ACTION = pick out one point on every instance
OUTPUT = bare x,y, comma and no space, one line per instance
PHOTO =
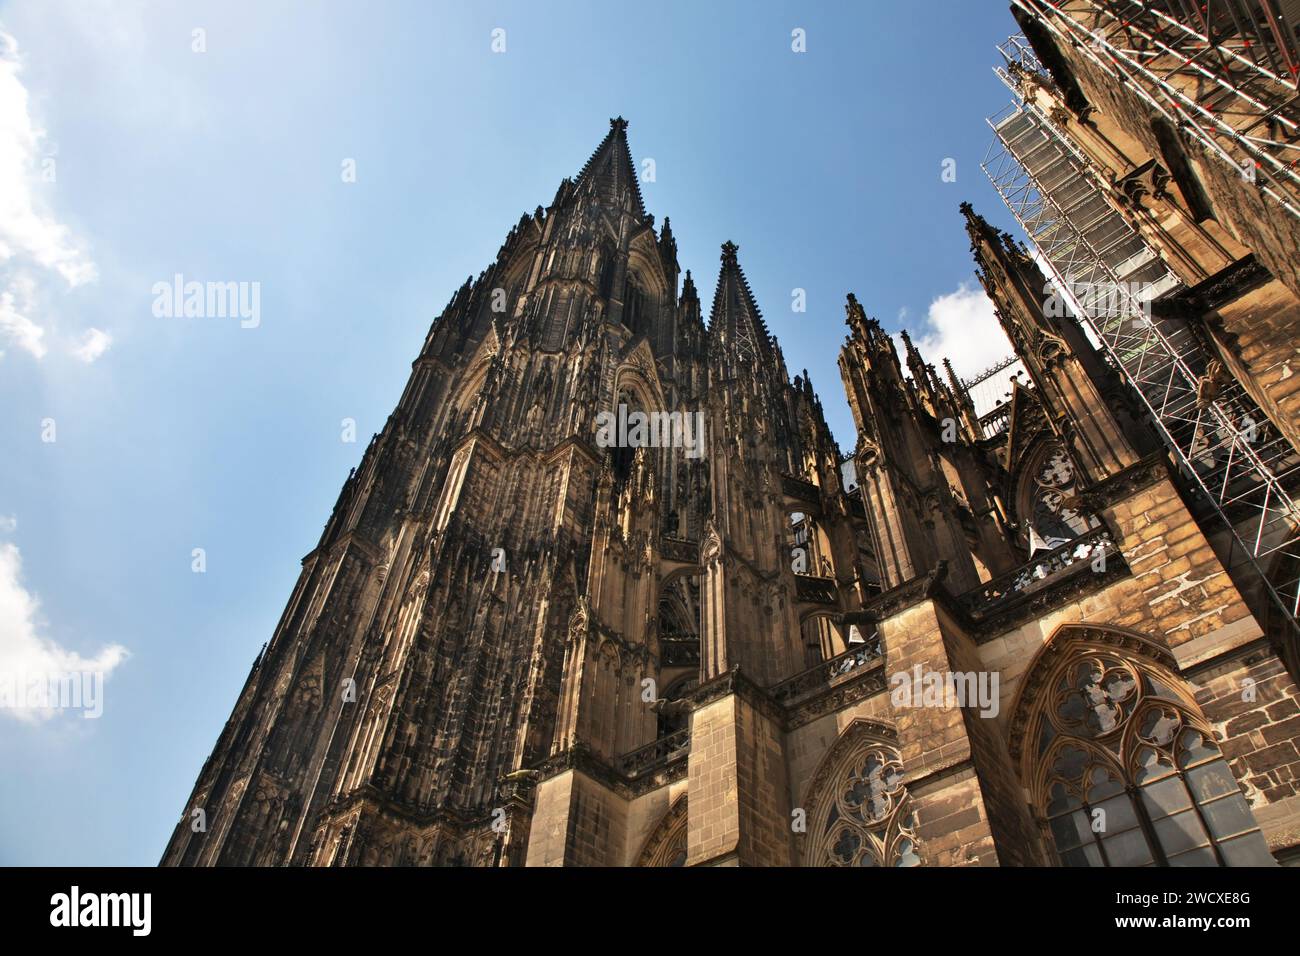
15,327
33,242
94,343
26,656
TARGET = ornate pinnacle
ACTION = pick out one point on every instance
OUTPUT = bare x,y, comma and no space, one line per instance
729,250
977,225
852,310
955,383
857,317
688,286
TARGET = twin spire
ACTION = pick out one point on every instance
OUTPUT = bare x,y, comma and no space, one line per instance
735,319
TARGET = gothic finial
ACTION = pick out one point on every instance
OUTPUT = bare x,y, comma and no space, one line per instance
954,382
688,289
915,364
618,123
855,316
729,250
977,225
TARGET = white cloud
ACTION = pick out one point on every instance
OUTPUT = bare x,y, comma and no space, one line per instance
94,343
30,237
8,524
962,327
15,327
25,228
27,656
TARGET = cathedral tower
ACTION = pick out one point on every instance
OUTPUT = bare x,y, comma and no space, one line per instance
519,578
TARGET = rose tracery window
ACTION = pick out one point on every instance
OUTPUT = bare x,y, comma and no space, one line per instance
865,818
1049,500
1131,776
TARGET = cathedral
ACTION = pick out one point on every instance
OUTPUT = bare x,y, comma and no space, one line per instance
604,591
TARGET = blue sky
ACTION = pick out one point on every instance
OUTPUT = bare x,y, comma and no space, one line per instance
173,434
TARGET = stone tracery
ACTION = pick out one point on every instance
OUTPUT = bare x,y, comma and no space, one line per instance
861,814
1124,770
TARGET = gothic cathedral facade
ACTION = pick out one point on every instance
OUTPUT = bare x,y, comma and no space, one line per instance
518,642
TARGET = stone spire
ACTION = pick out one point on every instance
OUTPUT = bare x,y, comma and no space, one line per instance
735,323
610,171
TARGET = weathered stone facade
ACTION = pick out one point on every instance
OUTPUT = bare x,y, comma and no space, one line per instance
515,645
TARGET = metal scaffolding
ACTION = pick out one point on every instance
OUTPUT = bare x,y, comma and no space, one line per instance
1225,446
1224,71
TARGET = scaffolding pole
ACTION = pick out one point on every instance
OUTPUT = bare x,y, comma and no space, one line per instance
1223,71
1237,461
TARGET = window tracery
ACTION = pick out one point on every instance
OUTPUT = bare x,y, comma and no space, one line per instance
862,815
1048,503
666,846
1128,773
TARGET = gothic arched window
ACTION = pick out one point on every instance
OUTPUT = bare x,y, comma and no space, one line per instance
629,401
608,268
563,314
1127,772
1048,500
635,305
861,813
666,846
